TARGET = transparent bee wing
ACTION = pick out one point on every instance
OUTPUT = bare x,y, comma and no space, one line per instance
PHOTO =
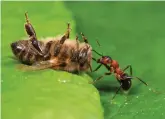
38,66
12,57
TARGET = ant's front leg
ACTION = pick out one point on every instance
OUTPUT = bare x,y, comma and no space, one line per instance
32,34
109,73
97,68
129,66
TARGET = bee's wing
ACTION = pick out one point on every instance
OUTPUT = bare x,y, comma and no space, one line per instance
39,65
12,57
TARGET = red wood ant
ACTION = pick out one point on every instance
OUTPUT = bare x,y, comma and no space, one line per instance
113,66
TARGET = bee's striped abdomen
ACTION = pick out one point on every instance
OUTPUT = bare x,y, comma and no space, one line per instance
25,52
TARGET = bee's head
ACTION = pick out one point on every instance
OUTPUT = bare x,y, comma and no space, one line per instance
16,47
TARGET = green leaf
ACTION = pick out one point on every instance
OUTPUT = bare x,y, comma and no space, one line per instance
53,95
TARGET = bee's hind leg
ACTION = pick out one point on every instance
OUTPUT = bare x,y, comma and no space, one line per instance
32,34
84,38
61,42
66,35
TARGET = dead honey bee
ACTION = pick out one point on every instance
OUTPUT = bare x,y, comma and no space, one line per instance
59,53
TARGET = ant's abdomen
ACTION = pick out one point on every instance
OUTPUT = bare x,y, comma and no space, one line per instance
126,84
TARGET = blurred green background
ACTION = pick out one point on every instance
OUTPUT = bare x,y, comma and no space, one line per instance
130,32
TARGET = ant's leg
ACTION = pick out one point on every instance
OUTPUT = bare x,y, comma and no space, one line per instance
129,66
94,59
116,92
141,80
107,67
102,76
32,34
97,68
97,53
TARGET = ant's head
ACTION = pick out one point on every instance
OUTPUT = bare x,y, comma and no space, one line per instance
105,60
125,82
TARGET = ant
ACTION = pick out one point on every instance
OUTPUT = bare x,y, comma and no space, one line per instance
113,66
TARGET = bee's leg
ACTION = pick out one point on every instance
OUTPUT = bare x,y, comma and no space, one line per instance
84,38
66,35
28,27
75,53
62,40
68,31
32,34
90,67
36,45
77,43
47,50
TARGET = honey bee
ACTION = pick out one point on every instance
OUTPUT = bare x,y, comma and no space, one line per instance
58,53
